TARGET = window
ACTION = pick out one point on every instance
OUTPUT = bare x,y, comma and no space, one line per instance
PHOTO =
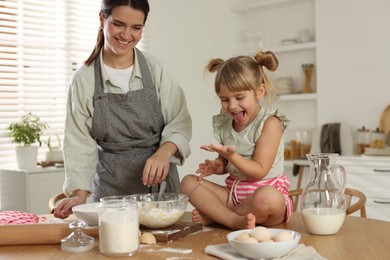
42,42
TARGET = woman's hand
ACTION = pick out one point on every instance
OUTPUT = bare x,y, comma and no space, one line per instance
157,166
156,169
64,208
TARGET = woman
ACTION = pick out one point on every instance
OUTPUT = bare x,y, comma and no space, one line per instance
123,133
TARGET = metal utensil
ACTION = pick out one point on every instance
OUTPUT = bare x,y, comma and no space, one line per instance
188,195
163,185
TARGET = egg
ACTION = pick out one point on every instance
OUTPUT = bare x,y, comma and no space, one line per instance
243,236
250,240
148,238
283,236
261,234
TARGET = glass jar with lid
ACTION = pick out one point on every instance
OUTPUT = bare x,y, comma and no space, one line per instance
363,140
377,139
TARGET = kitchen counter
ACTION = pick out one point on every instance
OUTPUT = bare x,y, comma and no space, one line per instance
29,190
359,238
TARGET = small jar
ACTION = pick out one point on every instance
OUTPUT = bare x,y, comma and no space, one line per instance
305,136
287,144
363,140
118,226
300,143
377,139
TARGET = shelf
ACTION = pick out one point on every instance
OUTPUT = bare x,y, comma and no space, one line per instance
253,5
254,15
297,97
294,47
284,49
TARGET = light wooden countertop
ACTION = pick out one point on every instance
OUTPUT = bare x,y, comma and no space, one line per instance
359,238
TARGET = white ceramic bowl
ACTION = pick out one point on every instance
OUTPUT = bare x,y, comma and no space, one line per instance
264,249
89,213
163,213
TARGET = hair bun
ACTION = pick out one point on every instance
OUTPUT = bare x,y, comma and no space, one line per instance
267,59
214,64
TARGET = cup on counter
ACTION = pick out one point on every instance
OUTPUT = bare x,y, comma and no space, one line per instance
118,226
304,35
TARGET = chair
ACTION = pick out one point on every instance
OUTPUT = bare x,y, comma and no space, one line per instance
354,200
55,200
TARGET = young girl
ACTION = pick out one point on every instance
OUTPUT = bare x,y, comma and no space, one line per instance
250,151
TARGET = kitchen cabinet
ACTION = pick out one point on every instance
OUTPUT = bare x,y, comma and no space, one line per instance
370,175
29,190
261,20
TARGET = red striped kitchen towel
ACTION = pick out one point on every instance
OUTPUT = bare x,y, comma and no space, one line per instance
17,217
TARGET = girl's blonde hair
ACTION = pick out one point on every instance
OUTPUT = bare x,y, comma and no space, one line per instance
243,73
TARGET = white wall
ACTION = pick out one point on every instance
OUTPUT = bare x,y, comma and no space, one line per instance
185,35
353,61
353,57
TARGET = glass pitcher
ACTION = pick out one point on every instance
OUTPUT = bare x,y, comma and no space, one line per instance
323,198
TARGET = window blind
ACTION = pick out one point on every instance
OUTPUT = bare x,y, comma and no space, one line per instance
42,42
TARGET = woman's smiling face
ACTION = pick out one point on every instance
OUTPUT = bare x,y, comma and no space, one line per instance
122,30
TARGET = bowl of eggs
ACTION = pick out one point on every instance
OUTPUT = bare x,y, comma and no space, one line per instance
89,213
261,242
154,213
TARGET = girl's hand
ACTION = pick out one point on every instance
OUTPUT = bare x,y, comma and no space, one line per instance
208,168
222,150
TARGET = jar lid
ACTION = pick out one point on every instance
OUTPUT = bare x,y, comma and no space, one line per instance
363,129
377,130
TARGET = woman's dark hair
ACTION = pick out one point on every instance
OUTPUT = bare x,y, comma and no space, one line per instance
106,8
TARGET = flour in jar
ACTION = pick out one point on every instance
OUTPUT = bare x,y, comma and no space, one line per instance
119,232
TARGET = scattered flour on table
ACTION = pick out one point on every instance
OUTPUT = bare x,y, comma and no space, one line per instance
171,250
181,258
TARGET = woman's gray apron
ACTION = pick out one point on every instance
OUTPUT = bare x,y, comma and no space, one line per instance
127,128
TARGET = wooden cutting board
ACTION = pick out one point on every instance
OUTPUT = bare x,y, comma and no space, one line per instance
38,234
52,233
384,122
178,230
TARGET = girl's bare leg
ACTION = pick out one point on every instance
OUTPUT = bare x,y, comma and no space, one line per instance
266,203
210,201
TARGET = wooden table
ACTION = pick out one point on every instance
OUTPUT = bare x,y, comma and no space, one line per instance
359,238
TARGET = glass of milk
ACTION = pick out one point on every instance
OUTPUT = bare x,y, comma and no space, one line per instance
118,226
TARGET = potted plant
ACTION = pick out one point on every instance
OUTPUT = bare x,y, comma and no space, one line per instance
27,132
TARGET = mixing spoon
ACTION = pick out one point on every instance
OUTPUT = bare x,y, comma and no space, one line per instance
163,185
